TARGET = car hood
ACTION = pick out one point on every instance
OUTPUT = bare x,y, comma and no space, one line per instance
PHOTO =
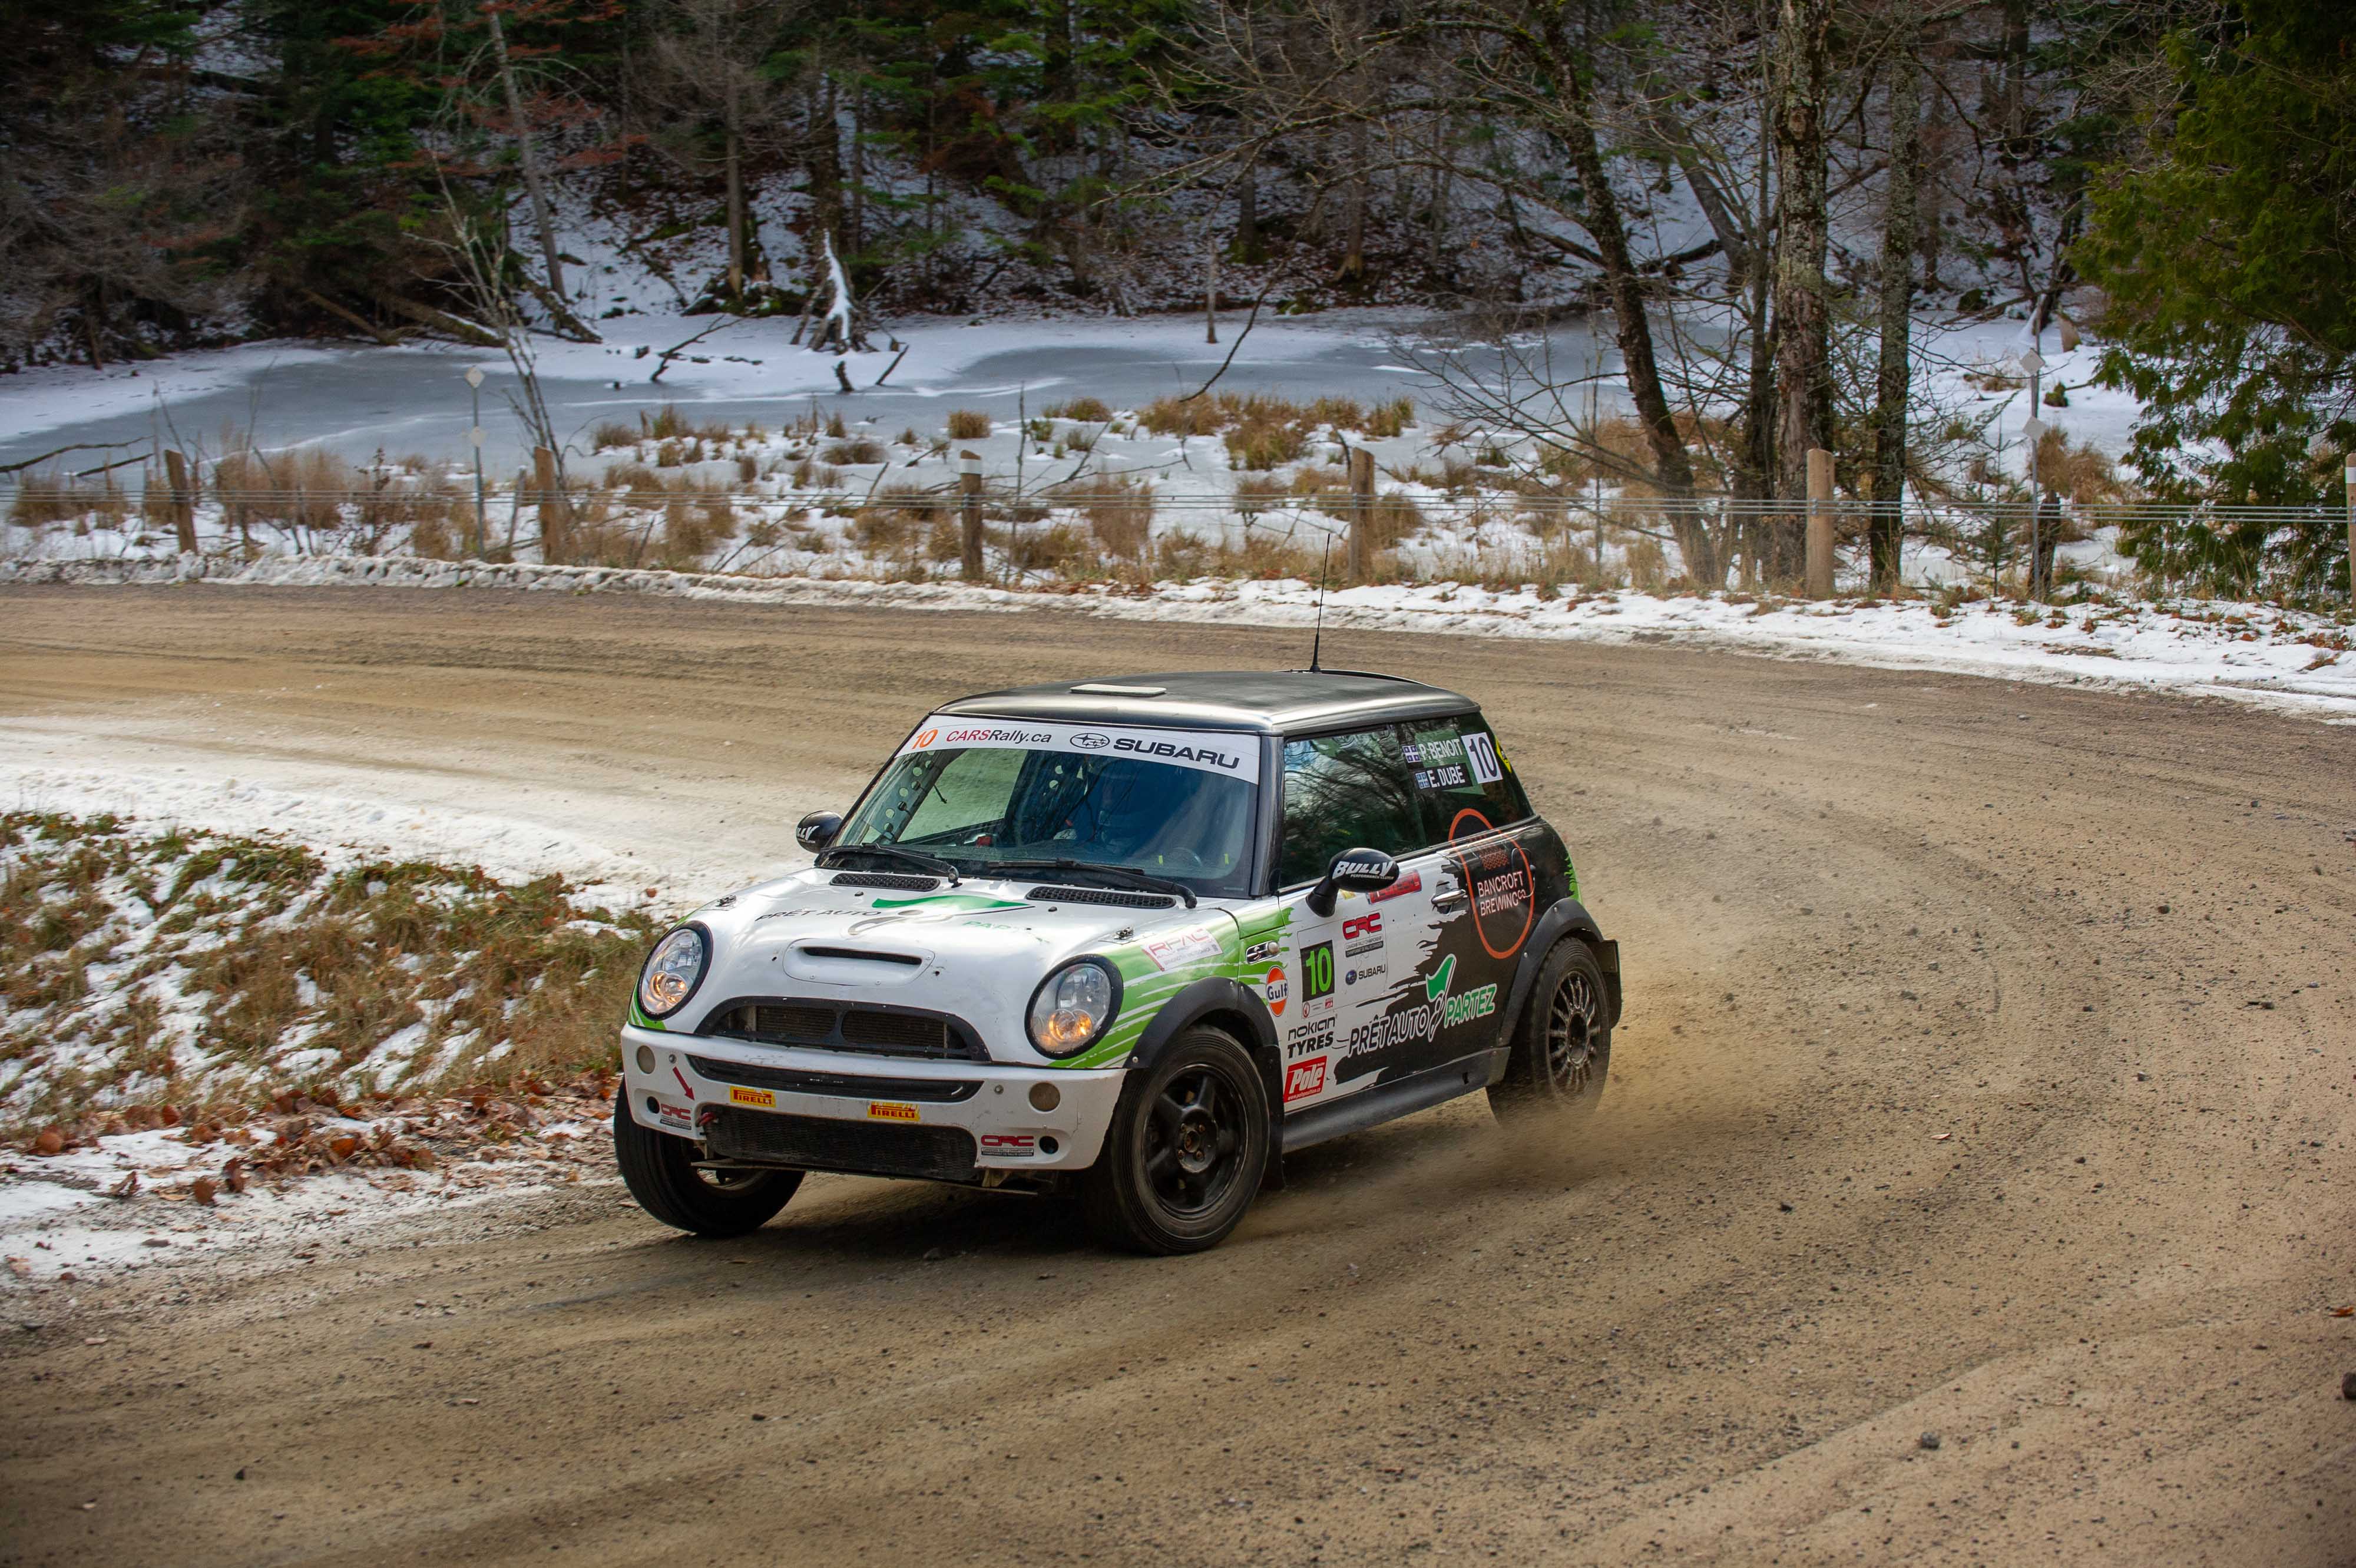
976,950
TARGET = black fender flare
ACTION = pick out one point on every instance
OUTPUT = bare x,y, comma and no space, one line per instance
1225,999
1567,918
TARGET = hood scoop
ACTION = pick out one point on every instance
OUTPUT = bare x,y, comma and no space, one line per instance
835,965
862,955
899,881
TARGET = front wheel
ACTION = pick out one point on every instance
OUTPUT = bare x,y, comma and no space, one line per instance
659,1170
1561,1052
1186,1151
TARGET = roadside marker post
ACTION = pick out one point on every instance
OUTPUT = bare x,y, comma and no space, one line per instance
1820,523
474,439
1362,509
2351,476
970,482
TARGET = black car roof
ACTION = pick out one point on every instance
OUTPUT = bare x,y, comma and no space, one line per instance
1270,701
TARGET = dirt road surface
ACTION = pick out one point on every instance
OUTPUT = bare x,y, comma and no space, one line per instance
1989,1070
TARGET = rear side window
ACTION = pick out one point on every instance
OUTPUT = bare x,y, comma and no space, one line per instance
1345,791
1456,768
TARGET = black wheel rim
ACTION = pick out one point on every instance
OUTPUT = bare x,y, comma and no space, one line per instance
1572,1030
1195,1142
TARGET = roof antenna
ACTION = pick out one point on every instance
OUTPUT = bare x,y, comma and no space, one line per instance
1318,641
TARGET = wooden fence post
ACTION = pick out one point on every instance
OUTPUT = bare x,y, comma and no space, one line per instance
2351,476
1820,523
969,506
184,501
553,544
1362,511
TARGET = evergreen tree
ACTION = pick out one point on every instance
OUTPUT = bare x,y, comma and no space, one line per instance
2229,262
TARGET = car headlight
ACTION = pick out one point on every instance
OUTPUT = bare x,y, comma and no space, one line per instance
673,970
1073,1007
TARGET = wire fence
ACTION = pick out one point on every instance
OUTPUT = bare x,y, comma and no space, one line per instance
2243,550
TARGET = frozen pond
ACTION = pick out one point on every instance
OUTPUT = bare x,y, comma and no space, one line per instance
359,401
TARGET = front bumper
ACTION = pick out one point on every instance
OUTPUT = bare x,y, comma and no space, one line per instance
1008,1132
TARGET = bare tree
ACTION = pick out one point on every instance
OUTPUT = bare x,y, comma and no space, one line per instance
707,69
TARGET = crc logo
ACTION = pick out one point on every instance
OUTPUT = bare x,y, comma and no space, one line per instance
1302,1079
1362,926
1090,740
927,737
1009,1145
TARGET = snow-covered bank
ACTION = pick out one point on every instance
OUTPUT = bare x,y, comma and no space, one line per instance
2286,660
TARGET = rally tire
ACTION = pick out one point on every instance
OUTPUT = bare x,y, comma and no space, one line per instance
1561,1049
661,1173
1186,1152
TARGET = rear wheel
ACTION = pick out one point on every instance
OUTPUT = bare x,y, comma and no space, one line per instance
1561,1052
659,1170
1186,1151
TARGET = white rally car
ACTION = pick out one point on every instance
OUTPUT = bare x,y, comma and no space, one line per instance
1131,939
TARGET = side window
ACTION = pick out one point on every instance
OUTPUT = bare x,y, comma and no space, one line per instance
1345,791
1456,767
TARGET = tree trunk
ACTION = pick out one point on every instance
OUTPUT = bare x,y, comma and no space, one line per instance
856,221
1353,218
735,208
1803,310
822,164
1211,280
1672,465
541,214
1899,240
1247,214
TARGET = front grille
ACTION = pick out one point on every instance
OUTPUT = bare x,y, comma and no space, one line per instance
1100,896
900,882
845,1027
794,1080
817,1142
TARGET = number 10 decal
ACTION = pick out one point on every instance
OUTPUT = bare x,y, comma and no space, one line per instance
1483,753
1317,972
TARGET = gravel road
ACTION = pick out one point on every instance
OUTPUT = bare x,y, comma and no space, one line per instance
1989,1070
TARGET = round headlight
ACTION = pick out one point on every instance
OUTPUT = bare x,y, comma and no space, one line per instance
673,970
1073,1006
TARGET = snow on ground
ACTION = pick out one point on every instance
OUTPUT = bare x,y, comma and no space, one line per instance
66,1235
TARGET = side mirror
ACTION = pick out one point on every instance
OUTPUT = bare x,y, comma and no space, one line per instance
1359,870
817,830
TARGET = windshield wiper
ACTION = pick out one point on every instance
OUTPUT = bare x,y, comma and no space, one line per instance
1129,876
932,862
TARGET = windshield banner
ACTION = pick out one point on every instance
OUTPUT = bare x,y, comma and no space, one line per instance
1228,752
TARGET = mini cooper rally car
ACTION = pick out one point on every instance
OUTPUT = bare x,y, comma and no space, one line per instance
1133,939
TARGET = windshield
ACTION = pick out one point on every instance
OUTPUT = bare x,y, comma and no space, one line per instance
1171,803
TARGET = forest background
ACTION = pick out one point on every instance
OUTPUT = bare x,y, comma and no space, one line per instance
1757,201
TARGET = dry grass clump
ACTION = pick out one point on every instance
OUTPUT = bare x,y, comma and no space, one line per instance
1254,496
862,450
899,516
45,498
1090,409
608,434
969,425
378,976
1269,433
668,423
1185,416
1119,507
2076,473
302,488
432,513
1385,420
1055,549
